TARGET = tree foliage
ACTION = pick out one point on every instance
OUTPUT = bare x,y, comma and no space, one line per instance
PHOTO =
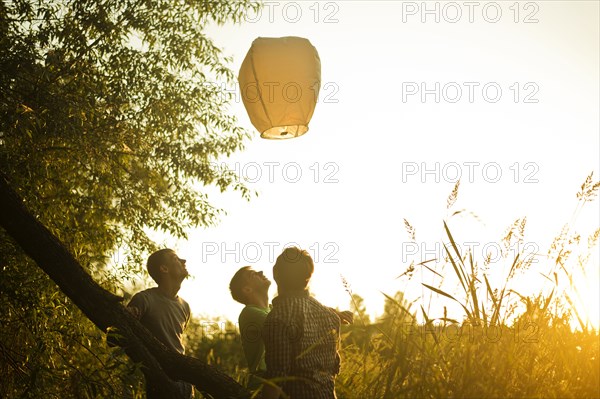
109,119
108,124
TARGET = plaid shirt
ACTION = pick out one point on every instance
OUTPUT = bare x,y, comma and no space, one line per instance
301,339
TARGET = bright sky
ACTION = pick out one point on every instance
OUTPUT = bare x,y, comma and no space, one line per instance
363,163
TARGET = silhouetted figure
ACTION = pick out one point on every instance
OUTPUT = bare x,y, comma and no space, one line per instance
301,336
160,310
251,288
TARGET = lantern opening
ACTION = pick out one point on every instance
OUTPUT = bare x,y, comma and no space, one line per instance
284,132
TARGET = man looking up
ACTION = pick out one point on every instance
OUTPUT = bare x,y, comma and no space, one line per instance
251,288
301,336
160,310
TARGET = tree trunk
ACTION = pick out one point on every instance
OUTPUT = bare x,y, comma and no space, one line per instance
104,309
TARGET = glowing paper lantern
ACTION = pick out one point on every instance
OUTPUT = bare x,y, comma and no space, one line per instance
280,80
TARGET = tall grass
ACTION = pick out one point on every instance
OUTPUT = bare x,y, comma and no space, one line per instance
506,344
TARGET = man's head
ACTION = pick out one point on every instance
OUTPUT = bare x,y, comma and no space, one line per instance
165,265
247,284
293,269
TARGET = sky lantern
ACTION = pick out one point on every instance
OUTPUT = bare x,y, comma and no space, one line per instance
280,80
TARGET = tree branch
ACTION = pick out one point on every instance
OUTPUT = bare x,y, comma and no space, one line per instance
104,309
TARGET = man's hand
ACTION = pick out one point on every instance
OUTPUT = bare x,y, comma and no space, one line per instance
347,317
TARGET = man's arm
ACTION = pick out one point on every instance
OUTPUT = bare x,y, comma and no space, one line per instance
137,306
346,317
188,314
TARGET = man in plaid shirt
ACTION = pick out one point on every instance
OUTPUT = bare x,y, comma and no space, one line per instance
301,335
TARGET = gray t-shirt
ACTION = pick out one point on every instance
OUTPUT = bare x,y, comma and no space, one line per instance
166,318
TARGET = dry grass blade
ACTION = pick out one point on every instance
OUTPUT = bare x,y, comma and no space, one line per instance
548,300
438,291
454,246
408,272
398,304
589,190
428,321
472,288
574,308
348,289
430,269
460,277
410,230
453,196
496,311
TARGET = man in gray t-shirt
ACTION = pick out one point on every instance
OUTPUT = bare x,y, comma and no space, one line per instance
159,309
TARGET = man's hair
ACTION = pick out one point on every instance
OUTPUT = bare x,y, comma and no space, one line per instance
155,260
294,267
237,284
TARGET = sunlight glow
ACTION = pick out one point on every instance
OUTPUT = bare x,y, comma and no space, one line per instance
343,191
